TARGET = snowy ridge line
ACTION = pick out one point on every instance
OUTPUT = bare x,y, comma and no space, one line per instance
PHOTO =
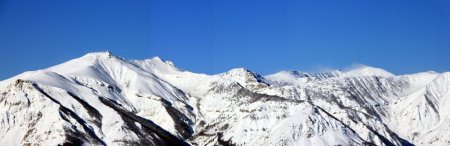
365,142
101,99
173,140
68,112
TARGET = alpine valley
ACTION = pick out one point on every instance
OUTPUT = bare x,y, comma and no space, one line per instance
101,99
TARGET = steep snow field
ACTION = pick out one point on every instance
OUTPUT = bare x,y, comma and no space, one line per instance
101,99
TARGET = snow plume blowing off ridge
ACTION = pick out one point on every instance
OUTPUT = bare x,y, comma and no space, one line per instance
101,99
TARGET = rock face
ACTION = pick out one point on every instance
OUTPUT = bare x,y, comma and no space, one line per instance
101,99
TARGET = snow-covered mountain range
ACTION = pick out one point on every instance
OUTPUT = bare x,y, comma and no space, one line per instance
101,99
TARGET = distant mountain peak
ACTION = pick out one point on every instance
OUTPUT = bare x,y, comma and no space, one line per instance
364,70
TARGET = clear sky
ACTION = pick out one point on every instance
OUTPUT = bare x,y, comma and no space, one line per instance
213,36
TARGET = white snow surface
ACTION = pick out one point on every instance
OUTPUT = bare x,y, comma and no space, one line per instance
101,99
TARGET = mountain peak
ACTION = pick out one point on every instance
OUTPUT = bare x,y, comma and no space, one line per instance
364,70
89,64
286,77
239,70
242,72
156,58
287,74
100,54
159,60
244,76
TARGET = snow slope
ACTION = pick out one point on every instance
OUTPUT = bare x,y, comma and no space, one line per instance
101,99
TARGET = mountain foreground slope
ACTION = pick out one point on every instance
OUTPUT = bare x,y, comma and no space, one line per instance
101,99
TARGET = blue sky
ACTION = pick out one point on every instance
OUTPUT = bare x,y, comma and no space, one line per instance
401,36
